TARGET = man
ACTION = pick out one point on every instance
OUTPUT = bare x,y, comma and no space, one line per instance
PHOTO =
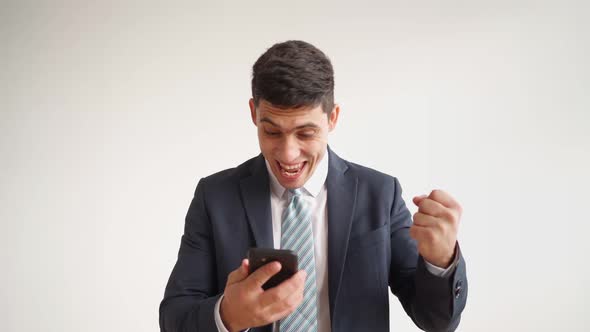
348,224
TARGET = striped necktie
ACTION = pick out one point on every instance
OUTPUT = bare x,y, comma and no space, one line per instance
297,235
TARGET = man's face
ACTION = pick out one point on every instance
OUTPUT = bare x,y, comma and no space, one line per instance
293,141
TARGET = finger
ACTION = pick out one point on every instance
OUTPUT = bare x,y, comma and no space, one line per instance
261,276
273,299
238,274
281,309
418,199
425,220
246,265
432,207
413,232
445,199
420,233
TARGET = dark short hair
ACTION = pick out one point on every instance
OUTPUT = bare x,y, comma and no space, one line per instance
294,74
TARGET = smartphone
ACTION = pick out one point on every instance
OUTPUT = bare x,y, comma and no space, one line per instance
258,257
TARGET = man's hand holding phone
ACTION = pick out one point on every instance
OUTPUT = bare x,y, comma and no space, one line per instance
246,304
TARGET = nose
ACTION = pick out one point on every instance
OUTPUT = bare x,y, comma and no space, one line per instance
288,150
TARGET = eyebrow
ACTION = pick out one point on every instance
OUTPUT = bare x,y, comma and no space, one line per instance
305,125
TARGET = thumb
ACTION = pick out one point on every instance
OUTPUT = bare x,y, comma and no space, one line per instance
264,273
418,199
239,274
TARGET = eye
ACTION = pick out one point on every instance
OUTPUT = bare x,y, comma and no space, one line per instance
271,133
306,134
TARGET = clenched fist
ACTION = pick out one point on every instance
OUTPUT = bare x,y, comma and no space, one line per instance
435,227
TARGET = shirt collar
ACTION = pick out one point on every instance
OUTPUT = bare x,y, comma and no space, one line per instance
314,184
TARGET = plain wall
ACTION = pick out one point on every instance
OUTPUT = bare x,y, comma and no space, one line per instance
110,112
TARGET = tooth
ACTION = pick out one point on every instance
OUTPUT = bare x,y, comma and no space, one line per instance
291,167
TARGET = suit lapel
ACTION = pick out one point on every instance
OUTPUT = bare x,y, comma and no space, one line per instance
342,189
255,191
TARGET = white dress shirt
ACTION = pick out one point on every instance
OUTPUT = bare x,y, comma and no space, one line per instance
315,193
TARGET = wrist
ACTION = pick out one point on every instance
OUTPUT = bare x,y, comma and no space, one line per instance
445,263
441,262
447,260
225,317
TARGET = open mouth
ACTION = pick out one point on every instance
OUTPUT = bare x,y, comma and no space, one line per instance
291,171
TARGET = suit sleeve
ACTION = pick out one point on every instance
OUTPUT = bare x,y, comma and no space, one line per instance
434,303
192,290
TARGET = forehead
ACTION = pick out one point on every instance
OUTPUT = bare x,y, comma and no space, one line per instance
288,115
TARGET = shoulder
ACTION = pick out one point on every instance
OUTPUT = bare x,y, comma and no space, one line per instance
230,178
369,174
373,181
234,173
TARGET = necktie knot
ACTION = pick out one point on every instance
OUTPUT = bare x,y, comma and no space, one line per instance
296,192
296,197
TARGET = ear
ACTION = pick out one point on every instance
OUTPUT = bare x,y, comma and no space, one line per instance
252,111
333,117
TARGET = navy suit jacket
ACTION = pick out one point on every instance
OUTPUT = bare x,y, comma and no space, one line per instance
369,250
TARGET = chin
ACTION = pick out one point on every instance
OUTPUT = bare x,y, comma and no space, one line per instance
291,184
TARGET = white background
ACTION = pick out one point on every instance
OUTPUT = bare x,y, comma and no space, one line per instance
111,113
